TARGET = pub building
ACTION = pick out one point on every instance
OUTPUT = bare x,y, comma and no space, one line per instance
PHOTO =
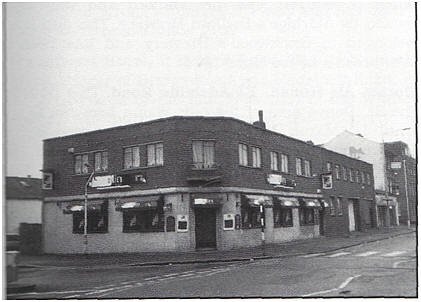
186,183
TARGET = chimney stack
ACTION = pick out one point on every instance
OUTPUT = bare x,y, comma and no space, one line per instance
260,123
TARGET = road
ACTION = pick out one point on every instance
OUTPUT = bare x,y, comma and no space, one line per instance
385,268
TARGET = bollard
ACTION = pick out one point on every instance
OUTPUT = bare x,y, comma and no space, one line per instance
12,266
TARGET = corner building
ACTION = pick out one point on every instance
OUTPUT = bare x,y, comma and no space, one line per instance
182,183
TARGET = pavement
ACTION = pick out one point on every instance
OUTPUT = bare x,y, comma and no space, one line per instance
288,249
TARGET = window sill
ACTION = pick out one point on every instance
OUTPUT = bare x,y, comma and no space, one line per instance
206,169
282,226
304,176
143,231
251,167
251,228
89,233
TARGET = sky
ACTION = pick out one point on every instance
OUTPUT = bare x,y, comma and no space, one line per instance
314,69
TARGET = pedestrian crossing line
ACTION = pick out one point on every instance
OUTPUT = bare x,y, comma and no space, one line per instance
338,254
312,255
395,253
369,253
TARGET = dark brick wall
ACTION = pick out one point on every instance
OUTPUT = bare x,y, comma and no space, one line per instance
336,225
177,134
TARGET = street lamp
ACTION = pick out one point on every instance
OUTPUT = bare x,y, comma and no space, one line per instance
85,225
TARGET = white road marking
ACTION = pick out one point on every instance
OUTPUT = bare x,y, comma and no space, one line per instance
313,255
346,282
396,264
395,253
152,278
338,254
185,275
369,253
343,284
169,275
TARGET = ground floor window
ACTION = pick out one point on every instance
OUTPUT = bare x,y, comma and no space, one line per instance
306,216
143,220
97,220
282,217
250,217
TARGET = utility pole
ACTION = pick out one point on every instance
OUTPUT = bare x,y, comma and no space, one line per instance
85,224
262,224
406,194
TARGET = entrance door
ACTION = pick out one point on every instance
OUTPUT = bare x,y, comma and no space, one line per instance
351,216
205,219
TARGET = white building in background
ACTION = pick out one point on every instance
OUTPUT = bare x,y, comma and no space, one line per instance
23,202
356,146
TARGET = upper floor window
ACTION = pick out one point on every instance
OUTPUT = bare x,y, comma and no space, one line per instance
329,167
101,161
155,154
242,154
298,166
256,157
362,177
203,154
351,175
284,163
357,176
368,179
337,172
131,157
81,164
344,175
307,168
274,161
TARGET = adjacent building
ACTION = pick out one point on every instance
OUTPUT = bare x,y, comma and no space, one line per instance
23,202
401,179
391,162
182,183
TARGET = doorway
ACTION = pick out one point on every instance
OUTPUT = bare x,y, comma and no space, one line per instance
205,220
322,221
351,216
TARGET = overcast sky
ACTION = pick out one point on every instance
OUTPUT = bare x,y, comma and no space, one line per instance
314,69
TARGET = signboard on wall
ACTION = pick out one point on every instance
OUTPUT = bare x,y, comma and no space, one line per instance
280,180
47,181
102,181
229,222
395,165
182,223
327,181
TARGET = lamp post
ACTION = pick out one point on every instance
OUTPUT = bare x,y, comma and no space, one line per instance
85,224
406,194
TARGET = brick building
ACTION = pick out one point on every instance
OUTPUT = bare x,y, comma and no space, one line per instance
389,174
182,183
401,179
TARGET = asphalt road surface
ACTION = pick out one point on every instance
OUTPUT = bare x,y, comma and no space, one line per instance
385,268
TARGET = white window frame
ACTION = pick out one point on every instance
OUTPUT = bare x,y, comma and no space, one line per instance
101,161
132,159
307,168
243,154
338,172
152,154
256,153
344,173
202,164
79,165
284,163
274,163
329,166
298,166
